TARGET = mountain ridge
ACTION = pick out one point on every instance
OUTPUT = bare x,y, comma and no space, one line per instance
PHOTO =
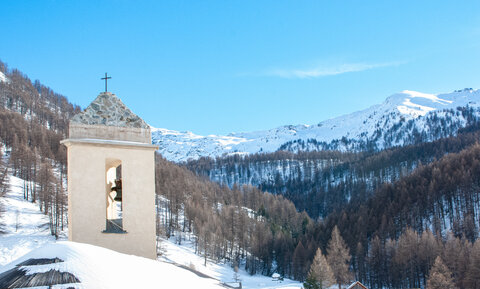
350,131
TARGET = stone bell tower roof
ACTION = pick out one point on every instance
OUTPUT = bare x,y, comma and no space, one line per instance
107,118
107,109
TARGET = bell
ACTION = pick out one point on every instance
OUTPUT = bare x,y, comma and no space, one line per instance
118,189
118,196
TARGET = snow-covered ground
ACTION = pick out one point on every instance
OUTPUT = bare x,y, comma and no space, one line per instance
360,125
3,77
25,227
185,255
26,232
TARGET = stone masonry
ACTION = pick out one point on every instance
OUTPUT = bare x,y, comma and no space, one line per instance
107,109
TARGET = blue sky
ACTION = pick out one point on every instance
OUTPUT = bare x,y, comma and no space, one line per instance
214,67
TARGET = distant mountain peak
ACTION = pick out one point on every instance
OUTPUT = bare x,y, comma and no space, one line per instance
361,127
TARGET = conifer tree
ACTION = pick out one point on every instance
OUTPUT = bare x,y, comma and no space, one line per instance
440,276
320,274
311,283
338,258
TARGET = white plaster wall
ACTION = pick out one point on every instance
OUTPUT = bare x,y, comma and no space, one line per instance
87,203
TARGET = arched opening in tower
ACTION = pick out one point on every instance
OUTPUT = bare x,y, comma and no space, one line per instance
114,199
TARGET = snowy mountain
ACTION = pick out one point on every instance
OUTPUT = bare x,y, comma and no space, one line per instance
401,119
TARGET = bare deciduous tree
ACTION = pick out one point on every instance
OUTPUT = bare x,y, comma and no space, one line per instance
320,271
339,258
440,276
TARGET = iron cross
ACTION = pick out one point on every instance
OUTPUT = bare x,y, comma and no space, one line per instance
106,78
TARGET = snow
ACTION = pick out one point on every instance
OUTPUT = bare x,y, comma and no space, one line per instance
98,267
3,77
185,255
407,105
25,227
419,104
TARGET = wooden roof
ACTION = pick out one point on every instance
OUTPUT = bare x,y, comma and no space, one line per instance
18,277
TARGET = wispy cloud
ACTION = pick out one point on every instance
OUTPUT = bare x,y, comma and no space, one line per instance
328,70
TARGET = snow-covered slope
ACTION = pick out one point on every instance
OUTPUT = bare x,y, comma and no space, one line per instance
362,126
24,226
184,255
3,77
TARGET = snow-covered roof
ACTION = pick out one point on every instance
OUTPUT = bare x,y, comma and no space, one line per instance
96,267
35,273
107,109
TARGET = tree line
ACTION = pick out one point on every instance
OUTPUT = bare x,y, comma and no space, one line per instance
33,120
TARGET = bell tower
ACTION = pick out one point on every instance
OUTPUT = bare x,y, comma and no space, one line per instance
111,178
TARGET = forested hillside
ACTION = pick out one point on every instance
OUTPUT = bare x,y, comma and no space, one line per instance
394,234
443,198
320,182
33,120
242,225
